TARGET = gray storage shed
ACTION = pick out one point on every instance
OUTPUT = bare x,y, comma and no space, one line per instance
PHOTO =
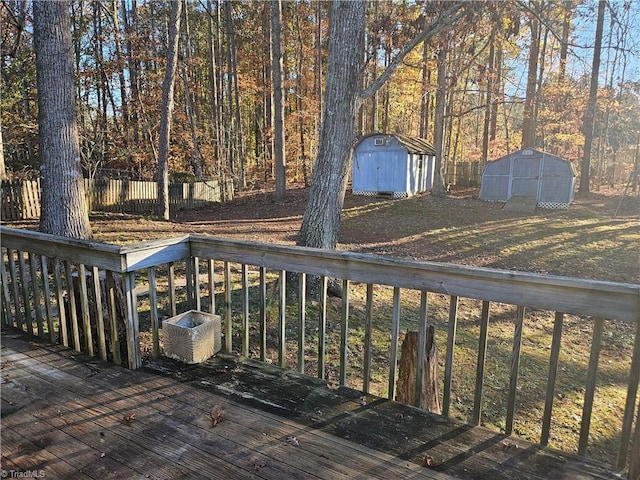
530,173
391,164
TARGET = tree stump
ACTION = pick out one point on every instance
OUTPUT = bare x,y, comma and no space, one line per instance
406,388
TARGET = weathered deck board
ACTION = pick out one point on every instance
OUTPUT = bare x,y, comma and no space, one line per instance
66,417
405,432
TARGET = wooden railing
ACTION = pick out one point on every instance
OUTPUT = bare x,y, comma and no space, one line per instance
70,290
20,199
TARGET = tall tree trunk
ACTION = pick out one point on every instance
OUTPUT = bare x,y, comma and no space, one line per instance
278,94
438,142
498,93
196,160
564,40
317,75
329,179
133,66
236,142
124,99
541,65
590,113
216,136
425,103
490,81
529,120
63,203
269,115
162,176
299,103
229,135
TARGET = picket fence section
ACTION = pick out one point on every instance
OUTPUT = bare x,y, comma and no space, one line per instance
21,198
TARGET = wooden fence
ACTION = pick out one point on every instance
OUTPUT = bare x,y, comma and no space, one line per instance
66,289
463,174
21,198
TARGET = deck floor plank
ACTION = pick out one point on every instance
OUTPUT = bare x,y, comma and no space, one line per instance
80,407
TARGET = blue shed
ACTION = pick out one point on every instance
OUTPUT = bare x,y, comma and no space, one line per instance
392,164
530,173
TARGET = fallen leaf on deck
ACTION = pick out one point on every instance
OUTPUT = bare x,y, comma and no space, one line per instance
429,461
216,415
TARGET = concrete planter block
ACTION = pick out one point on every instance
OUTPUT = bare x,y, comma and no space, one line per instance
192,337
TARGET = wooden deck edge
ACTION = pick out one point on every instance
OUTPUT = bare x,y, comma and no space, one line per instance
443,445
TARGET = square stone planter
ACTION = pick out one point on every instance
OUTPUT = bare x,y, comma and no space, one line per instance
192,337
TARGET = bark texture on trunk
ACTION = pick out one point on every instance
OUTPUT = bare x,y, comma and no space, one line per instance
408,368
167,110
322,216
63,203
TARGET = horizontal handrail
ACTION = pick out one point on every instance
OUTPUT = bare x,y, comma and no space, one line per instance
568,295
551,292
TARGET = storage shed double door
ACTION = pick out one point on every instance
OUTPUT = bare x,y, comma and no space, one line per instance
387,177
526,172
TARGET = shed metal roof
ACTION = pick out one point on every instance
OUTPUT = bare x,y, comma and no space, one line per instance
414,145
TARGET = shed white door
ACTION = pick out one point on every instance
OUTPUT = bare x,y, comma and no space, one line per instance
525,175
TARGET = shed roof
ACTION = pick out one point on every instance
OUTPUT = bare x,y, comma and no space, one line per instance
414,145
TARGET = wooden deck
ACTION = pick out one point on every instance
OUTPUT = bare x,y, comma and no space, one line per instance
67,416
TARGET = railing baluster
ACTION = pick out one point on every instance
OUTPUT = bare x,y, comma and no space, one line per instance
228,330
189,280
591,386
515,366
97,295
302,317
84,304
153,309
47,297
171,278
6,296
322,328
263,314
422,346
35,284
554,360
62,313
627,419
368,327
73,311
245,311
344,333
196,283
282,340
131,322
482,355
113,317
15,289
24,282
451,343
395,334
212,287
